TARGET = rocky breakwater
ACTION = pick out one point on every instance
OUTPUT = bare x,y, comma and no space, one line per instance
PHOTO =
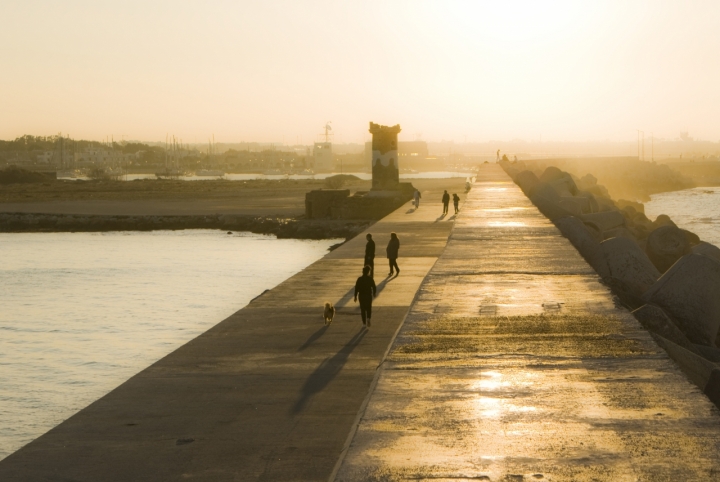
281,227
666,275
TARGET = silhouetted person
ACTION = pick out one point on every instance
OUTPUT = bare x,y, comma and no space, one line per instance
392,253
456,202
417,196
370,254
446,202
365,288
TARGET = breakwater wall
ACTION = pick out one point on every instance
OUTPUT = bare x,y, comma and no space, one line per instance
281,227
666,275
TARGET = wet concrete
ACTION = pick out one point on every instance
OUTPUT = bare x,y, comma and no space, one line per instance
268,394
515,363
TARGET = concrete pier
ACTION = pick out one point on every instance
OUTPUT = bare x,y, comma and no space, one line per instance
512,362
268,394
515,363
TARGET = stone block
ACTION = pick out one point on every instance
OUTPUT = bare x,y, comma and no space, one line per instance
666,245
604,221
707,249
689,291
585,242
655,320
629,268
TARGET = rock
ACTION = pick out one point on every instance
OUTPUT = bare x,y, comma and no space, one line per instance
663,220
572,205
666,245
550,208
545,190
636,206
712,387
695,367
585,242
564,186
604,221
605,204
630,272
552,173
588,180
526,180
619,232
707,249
688,291
592,202
692,238
708,352
655,320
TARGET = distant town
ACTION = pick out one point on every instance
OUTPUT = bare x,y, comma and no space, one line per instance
68,156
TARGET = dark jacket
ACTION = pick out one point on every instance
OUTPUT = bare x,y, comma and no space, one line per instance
446,198
392,248
365,287
370,250
456,199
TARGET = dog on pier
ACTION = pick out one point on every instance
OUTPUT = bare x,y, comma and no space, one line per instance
329,313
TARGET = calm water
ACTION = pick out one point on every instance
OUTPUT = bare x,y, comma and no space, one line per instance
697,210
82,312
251,176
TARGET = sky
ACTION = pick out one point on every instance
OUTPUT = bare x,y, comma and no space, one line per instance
277,71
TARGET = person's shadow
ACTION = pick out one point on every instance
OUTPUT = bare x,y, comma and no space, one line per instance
441,217
326,372
410,211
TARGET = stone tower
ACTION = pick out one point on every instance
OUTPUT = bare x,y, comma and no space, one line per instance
385,173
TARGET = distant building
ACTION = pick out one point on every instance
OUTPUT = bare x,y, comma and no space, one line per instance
413,150
322,157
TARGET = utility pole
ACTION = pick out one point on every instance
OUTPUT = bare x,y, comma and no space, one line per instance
652,146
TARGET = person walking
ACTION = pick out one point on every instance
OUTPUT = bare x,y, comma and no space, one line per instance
456,202
445,201
370,254
392,253
417,196
365,288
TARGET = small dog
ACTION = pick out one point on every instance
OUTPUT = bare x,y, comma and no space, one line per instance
329,313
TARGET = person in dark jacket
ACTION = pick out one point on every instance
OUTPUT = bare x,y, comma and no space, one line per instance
445,201
392,253
370,254
365,288
456,202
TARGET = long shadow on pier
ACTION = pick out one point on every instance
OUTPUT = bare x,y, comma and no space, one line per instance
326,372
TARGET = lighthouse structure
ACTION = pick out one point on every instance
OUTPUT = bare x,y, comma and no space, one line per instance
385,169
386,194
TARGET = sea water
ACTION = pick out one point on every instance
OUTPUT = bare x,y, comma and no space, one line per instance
82,312
697,210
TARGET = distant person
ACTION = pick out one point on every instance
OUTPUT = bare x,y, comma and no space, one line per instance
497,156
392,253
370,254
366,289
514,158
446,202
417,196
456,202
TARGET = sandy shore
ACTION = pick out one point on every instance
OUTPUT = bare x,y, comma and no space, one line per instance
174,198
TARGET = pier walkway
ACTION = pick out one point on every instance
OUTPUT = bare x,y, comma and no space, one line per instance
514,363
268,394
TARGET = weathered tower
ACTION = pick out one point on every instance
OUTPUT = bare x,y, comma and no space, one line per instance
385,170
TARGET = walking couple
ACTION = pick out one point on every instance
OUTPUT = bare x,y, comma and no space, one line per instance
365,288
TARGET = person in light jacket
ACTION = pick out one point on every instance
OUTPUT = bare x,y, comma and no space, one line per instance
392,253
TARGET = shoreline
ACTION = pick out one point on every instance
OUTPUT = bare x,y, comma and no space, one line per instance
283,228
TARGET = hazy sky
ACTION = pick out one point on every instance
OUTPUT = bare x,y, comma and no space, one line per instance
278,70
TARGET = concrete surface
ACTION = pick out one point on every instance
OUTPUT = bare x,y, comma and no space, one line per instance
268,394
516,364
